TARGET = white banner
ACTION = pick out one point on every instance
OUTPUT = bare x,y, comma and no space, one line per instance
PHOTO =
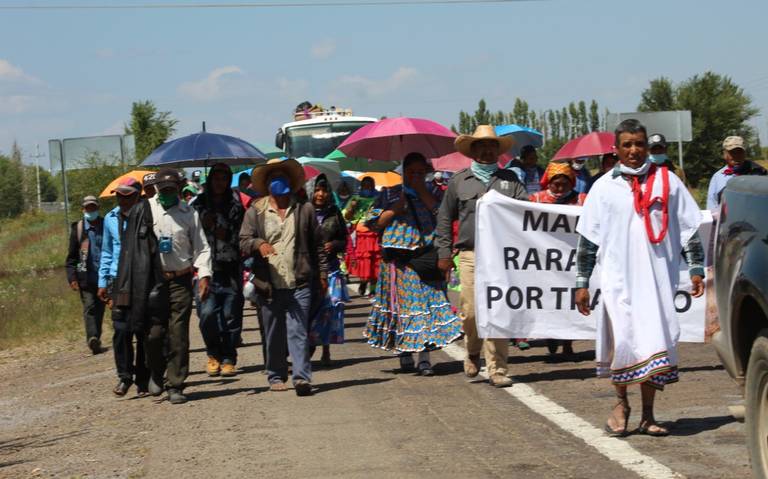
525,273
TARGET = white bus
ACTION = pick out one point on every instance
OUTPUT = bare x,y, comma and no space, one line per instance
316,133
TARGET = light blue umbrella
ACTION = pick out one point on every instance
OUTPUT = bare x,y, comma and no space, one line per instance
205,149
522,135
236,177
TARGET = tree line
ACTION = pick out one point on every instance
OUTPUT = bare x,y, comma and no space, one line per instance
719,108
18,182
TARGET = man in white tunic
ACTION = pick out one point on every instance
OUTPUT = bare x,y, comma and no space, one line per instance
636,221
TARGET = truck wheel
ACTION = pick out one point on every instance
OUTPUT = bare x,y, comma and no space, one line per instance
756,394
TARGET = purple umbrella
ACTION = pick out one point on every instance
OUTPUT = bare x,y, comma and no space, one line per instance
393,138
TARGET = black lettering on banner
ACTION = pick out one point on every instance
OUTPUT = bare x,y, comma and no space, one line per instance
510,256
519,293
534,296
595,300
571,261
541,221
532,258
559,296
553,260
493,297
561,222
688,301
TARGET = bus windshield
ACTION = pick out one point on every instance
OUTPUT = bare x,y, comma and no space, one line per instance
318,140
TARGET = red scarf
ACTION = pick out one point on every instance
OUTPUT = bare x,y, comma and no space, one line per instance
644,202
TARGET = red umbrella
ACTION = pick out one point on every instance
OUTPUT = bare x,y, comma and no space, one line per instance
593,144
456,161
310,172
393,138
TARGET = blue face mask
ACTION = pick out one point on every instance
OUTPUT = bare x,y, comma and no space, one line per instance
659,159
279,186
367,193
483,171
91,215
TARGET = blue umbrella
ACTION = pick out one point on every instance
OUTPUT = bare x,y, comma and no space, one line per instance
522,135
205,149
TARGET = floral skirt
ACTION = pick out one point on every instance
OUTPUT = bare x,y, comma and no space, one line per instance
364,257
328,322
408,314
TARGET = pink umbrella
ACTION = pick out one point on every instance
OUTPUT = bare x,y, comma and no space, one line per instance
592,144
456,161
393,138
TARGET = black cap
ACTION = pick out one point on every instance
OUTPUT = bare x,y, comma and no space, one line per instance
167,176
657,139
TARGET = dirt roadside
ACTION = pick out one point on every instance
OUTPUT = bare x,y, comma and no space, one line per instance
58,418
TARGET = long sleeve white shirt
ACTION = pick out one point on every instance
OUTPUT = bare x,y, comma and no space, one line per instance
189,246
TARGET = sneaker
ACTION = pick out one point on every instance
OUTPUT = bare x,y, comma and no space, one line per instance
175,396
302,387
472,366
122,388
228,370
425,369
522,344
94,344
500,381
155,388
213,368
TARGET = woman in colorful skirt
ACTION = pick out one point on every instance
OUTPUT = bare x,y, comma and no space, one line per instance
411,312
557,186
327,322
364,254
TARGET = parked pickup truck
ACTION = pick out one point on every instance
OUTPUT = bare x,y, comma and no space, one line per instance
741,285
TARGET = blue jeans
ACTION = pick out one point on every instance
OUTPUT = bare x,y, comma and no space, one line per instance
286,319
219,323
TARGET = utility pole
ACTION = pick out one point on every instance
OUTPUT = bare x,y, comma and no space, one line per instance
37,171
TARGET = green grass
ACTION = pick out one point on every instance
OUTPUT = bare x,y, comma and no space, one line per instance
35,299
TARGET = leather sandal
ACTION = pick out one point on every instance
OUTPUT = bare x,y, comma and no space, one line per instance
649,427
627,410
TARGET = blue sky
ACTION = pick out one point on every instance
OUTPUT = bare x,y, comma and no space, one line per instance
75,73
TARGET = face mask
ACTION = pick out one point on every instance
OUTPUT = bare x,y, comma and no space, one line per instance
659,159
625,170
167,200
577,165
366,193
344,197
484,171
279,186
91,215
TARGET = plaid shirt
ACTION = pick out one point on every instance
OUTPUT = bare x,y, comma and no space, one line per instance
586,257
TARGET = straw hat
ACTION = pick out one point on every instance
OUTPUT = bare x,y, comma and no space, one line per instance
290,168
483,132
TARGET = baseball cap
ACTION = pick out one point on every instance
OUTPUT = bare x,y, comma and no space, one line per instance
733,142
657,139
149,179
167,177
90,200
127,187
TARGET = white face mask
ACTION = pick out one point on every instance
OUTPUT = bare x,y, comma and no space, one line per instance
625,170
577,165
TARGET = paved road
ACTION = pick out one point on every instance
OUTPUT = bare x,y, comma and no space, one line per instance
367,419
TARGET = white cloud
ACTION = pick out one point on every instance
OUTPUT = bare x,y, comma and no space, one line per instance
209,88
323,49
105,53
16,104
369,87
11,72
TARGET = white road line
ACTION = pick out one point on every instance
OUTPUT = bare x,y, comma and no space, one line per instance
614,449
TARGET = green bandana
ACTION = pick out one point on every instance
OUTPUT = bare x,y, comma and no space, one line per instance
167,200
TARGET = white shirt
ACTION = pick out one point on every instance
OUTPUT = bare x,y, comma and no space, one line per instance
189,246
